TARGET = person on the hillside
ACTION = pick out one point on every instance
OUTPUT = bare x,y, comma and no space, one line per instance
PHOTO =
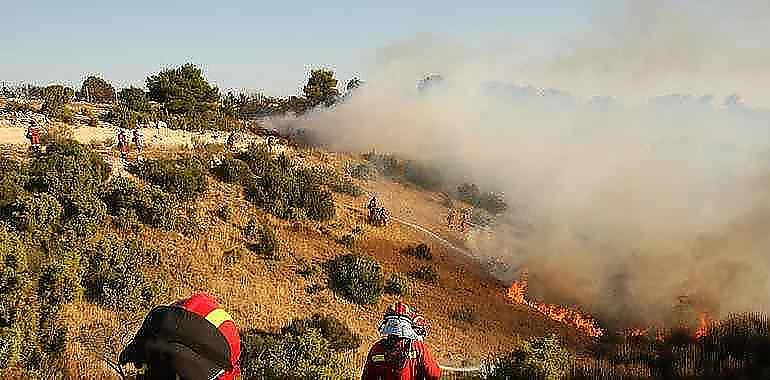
231,140
122,143
372,205
401,353
450,218
465,220
138,140
192,339
33,135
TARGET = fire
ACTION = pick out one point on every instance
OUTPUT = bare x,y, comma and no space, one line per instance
583,323
704,323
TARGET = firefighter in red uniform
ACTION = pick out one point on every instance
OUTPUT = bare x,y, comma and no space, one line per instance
33,135
401,353
122,144
192,339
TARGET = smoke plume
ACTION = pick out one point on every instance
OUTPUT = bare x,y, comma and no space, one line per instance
620,203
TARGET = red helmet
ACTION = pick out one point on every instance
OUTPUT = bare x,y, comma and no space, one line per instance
399,309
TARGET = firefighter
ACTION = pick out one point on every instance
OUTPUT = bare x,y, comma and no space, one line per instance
33,135
122,143
401,354
231,140
138,140
192,339
450,218
465,220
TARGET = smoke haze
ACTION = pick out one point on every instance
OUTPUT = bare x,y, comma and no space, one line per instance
620,203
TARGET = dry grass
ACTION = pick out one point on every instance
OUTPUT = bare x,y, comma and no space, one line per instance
268,294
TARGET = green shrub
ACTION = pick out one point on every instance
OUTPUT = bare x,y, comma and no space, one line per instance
121,117
336,181
365,170
423,175
153,206
234,170
266,243
540,358
135,99
427,273
387,164
225,212
468,192
183,90
397,285
336,332
347,240
126,220
494,203
465,314
184,177
55,100
357,278
14,289
68,167
38,214
482,218
307,268
113,277
13,180
420,251
288,356
84,213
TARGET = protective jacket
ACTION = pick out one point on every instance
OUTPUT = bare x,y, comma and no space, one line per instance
193,339
394,358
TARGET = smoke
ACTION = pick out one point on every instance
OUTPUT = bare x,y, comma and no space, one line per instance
620,204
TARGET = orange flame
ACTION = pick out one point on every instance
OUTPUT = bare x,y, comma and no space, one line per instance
704,323
583,323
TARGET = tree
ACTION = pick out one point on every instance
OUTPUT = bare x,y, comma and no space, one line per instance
97,90
183,90
135,99
321,88
55,99
354,84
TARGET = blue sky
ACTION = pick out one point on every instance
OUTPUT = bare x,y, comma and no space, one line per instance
249,44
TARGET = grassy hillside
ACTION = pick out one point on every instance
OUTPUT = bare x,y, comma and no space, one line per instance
210,253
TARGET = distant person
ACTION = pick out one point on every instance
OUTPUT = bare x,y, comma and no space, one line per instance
231,138
192,339
401,354
372,205
33,135
465,220
138,140
122,143
450,218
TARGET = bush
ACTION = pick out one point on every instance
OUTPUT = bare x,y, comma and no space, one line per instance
423,175
126,220
494,203
12,186
482,218
68,167
357,278
427,273
113,274
468,192
537,358
336,332
38,214
184,177
307,268
420,251
121,117
397,285
183,90
225,212
153,206
55,100
365,170
387,164
233,170
347,240
266,243
289,356
134,99
336,181
465,314
84,213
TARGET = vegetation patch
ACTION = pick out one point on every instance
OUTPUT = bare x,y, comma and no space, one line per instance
357,278
397,285
184,178
420,251
427,273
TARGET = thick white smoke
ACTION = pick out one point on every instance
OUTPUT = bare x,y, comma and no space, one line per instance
617,204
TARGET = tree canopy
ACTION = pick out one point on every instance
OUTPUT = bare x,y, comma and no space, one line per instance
135,99
183,90
97,90
321,88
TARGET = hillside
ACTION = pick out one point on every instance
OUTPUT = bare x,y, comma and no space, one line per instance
267,294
